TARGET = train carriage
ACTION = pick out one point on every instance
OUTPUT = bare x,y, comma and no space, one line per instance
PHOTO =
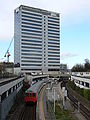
31,94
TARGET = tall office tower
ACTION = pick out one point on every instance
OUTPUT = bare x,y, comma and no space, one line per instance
36,39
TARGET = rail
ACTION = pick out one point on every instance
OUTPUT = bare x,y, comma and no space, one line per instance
82,108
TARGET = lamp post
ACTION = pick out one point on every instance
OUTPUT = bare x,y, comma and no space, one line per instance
54,97
54,100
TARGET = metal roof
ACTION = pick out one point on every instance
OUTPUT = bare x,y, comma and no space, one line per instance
35,87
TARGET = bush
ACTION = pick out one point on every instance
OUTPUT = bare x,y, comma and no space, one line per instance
87,94
81,91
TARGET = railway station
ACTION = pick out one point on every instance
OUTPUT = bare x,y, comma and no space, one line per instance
37,73
8,90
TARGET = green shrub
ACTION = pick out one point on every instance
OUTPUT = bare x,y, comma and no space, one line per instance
87,94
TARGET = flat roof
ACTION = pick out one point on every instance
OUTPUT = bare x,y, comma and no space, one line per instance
38,10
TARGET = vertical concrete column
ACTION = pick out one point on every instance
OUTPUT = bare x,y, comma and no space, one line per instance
80,82
11,90
43,29
7,94
84,84
46,43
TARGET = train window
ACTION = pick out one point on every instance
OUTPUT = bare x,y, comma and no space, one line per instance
33,94
27,94
30,94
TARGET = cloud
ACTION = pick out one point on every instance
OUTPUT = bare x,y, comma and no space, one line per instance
68,55
75,10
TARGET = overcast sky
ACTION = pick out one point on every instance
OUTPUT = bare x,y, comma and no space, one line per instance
74,26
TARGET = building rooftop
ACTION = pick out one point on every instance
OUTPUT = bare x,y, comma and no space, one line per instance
41,11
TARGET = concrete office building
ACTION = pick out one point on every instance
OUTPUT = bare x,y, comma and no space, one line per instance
36,39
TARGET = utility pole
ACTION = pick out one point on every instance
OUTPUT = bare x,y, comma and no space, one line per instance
54,100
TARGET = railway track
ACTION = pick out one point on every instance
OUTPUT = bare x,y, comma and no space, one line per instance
83,109
28,113
77,104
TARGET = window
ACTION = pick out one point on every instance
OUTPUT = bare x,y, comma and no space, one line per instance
27,94
34,95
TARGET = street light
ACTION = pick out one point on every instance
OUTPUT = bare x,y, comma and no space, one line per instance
54,98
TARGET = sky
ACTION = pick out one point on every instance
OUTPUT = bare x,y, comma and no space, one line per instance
74,27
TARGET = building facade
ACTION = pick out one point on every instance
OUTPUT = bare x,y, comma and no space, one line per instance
36,39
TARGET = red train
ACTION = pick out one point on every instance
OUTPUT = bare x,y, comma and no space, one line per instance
31,94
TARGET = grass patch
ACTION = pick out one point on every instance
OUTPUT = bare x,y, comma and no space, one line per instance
62,114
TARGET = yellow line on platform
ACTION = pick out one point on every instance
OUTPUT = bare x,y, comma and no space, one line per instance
42,108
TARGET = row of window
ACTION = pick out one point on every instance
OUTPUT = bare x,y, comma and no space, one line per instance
53,27
50,33
53,40
4,95
51,46
32,54
37,15
32,44
31,57
37,28
32,24
54,49
31,20
49,52
25,33
33,50
36,41
53,18
25,36
31,27
53,36
56,60
53,55
51,30
32,61
53,69
53,65
54,43
28,69
37,18
53,24
53,21
28,30
39,48
31,65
